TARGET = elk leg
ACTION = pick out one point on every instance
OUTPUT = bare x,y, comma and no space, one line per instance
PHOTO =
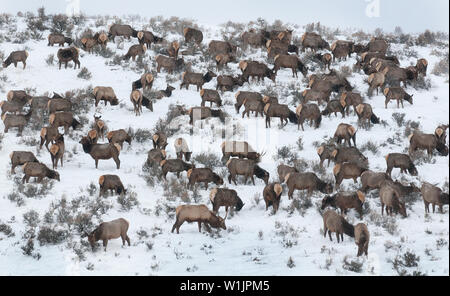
329,234
434,206
105,243
199,226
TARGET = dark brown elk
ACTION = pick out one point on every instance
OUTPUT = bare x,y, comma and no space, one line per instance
111,183
18,96
255,106
147,38
203,175
314,42
59,104
48,135
197,79
333,106
272,196
377,45
402,161
101,38
159,140
396,93
289,61
182,149
57,151
64,119
362,237
345,132
325,59
155,156
110,230
434,195
333,222
88,44
39,171
174,166
309,112
315,95
118,136
376,80
197,213
69,54
101,151
247,168
329,82
145,82
372,180
242,95
281,111
325,152
121,30
367,56
345,201
59,39
394,76
210,95
166,92
13,120
348,99
255,69
93,136
342,49
429,142
441,133
239,149
223,60
10,107
191,34
228,82
136,99
365,112
253,38
284,36
421,66
216,47
200,113
173,49
15,57
99,126
347,170
391,199
135,50
273,51
223,197
309,181
284,170
105,93
168,63
349,154
20,158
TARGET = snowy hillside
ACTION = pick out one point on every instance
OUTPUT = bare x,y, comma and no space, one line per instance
42,226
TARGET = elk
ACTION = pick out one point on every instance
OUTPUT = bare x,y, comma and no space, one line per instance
197,213
174,166
309,181
310,112
333,106
228,82
223,197
347,170
396,93
145,82
118,136
281,111
345,132
57,151
216,47
210,95
155,156
63,119
252,38
376,80
441,133
325,152
168,63
88,44
135,50
110,230
272,195
434,195
349,154
315,95
99,126
39,171
200,113
253,105
59,39
15,57
147,38
345,201
69,54
197,79
203,175
350,99
101,151
121,30
255,69
391,199
373,180
332,222
59,104
325,59
105,93
223,60
48,135
191,34
13,120
182,149
159,140
314,42
101,38
341,49
239,149
402,161
136,99
21,158
429,142
112,183
247,168
18,96
10,107
173,49
362,237
93,136
377,45
289,61
364,112
242,95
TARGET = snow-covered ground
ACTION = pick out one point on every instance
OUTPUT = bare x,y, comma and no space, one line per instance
256,242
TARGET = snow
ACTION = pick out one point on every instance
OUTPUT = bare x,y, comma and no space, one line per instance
241,249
